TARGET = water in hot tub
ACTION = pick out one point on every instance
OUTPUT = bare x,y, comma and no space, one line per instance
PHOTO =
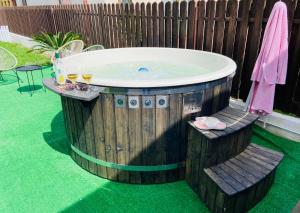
145,70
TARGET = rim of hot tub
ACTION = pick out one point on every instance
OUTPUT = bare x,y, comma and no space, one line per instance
228,70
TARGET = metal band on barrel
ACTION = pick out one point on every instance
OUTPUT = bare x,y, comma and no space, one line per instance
128,167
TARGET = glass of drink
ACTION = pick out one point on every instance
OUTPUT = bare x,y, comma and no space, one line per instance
61,79
87,77
72,77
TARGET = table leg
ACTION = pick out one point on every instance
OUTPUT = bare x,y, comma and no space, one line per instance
42,79
18,81
29,83
32,81
18,78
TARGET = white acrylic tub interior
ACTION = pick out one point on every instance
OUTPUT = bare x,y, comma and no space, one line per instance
149,67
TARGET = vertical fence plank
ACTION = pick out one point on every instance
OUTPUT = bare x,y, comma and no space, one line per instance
168,29
219,26
119,23
285,95
201,5
115,26
155,32
123,24
143,25
127,23
240,44
110,26
100,27
209,26
230,28
138,37
191,25
253,43
183,24
149,26
133,25
161,25
175,24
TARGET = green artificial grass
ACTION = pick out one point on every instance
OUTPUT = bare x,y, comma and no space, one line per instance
24,57
38,175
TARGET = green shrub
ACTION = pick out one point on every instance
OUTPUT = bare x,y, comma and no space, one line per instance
52,42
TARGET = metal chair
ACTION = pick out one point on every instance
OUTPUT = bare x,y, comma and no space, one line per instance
93,48
8,61
70,48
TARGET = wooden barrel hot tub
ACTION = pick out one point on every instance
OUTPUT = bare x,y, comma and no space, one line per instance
138,134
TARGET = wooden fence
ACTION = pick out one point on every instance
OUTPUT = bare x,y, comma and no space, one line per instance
231,27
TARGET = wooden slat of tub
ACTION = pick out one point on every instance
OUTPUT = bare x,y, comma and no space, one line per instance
174,137
175,28
135,138
98,125
73,129
143,25
80,131
168,24
216,98
89,133
162,123
149,143
66,113
183,23
110,133
222,103
121,114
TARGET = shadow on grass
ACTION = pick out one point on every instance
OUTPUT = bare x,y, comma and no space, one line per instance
57,139
30,88
120,197
7,79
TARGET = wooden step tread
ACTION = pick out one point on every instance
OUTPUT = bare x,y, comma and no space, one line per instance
235,120
244,170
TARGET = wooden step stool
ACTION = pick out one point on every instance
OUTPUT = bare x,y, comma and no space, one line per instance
223,169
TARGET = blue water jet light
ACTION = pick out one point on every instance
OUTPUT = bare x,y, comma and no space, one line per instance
143,69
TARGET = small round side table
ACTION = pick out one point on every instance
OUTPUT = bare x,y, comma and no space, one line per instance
26,69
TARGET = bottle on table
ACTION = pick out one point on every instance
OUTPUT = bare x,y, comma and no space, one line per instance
57,68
